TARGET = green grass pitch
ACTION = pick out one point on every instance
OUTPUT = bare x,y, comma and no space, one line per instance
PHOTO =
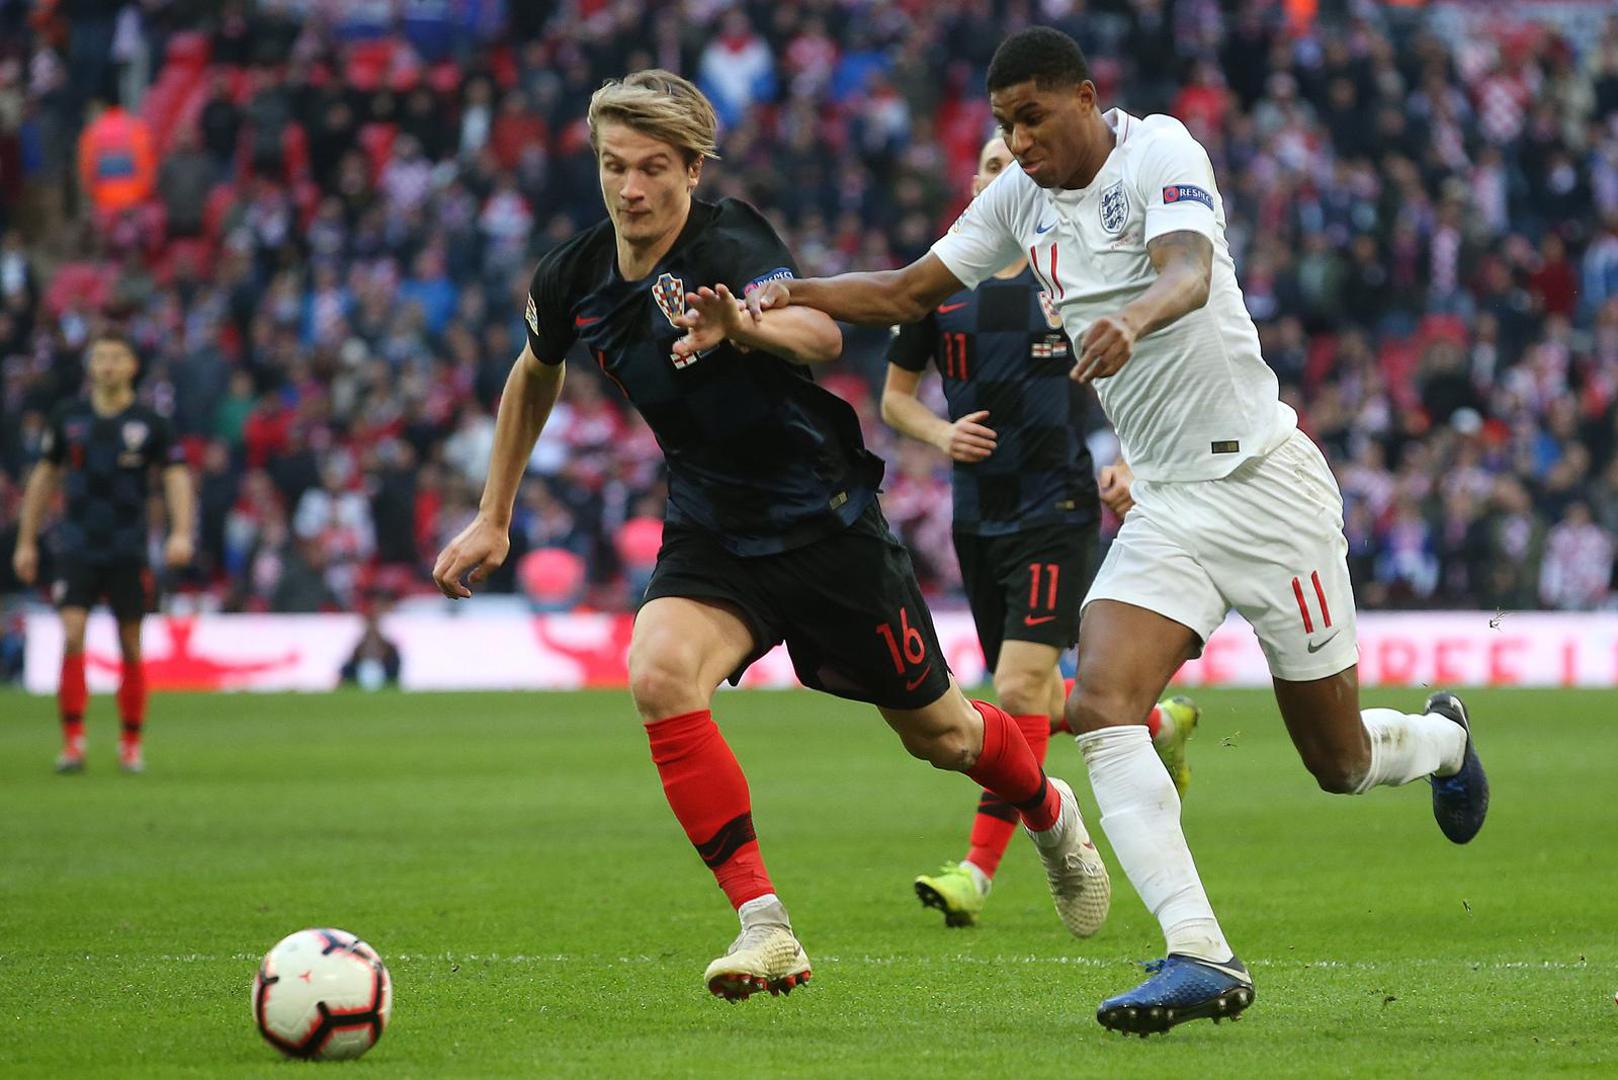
512,858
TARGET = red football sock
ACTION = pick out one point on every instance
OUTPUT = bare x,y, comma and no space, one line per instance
708,793
71,698
1059,721
1036,732
996,819
992,827
1009,768
1154,721
132,699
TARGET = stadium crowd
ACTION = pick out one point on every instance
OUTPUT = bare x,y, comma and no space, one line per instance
318,219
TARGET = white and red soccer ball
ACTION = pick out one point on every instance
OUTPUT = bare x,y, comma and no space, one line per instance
322,994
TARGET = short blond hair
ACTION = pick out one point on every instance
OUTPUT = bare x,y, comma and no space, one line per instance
661,104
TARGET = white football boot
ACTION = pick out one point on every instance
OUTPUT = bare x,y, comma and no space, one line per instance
765,956
1079,881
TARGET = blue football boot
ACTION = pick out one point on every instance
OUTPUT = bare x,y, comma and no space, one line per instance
1460,802
1181,988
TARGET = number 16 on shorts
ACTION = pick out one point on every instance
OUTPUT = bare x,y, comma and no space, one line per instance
913,650
906,647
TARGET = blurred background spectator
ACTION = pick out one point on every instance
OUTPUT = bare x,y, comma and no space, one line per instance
318,220
375,661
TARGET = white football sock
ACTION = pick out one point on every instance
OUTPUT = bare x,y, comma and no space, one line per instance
1140,812
762,909
1406,747
983,881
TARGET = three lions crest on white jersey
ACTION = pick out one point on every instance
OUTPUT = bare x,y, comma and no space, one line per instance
1114,208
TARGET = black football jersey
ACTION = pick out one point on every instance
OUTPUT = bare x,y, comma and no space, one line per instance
106,464
1001,347
758,454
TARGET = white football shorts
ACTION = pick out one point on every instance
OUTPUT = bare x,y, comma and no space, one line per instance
1267,541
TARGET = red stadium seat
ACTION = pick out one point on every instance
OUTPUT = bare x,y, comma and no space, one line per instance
553,578
193,250
188,50
220,200
1399,361
1440,327
295,152
638,541
368,63
444,78
1322,350
850,387
85,285
377,142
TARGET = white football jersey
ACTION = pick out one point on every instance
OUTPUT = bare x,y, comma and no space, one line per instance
1196,398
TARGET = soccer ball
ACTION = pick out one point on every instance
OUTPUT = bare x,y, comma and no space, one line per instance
322,994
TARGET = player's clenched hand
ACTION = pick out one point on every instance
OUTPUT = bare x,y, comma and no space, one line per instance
479,549
1107,346
967,439
771,294
711,316
177,551
25,563
1115,484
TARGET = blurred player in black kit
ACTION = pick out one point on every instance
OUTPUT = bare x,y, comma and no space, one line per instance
103,449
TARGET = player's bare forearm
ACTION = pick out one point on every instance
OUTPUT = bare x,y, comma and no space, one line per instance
34,497
181,500
877,298
531,392
801,335
903,411
908,416
1184,263
965,440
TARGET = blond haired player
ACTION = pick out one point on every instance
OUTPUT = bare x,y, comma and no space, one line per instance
773,531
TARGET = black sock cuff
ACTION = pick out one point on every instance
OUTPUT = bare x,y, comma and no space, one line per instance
1038,798
732,836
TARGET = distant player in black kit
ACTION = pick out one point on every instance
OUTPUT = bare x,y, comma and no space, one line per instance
1027,513
773,530
103,449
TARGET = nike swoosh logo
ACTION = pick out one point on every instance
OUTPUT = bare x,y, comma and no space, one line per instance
585,320
911,684
1044,228
945,309
1316,646
1232,967
1035,620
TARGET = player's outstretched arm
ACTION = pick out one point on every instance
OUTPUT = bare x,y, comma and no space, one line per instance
802,335
713,315
1184,264
41,482
875,298
965,440
531,392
